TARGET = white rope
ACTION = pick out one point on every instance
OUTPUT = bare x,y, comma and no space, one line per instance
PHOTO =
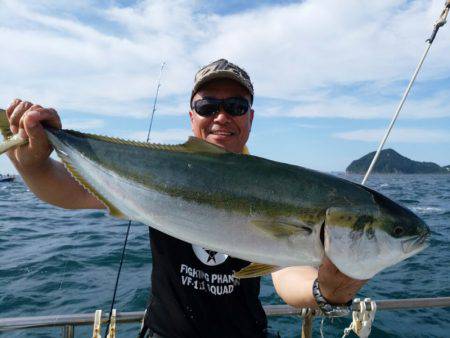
322,324
362,318
397,112
439,23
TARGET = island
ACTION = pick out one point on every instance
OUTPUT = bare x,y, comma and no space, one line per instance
391,162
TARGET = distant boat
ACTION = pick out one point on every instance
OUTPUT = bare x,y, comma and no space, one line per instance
7,178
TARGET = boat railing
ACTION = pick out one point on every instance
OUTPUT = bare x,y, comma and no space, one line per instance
69,322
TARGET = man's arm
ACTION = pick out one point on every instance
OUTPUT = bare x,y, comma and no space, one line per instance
294,284
48,179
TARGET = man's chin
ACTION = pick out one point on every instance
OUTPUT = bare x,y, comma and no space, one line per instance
228,142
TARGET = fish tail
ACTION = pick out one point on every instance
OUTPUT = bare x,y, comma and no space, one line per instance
10,141
4,125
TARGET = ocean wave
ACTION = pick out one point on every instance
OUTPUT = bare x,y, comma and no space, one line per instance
408,201
57,261
427,210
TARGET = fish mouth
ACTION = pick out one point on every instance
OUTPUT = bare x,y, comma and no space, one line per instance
415,243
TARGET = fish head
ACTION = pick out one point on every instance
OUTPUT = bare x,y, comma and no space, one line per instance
363,241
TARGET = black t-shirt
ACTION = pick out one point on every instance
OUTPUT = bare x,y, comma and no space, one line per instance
194,293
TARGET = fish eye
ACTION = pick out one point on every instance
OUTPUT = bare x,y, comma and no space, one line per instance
398,231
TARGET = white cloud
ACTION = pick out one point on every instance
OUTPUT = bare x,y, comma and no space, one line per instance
433,106
398,135
68,64
294,52
83,124
313,44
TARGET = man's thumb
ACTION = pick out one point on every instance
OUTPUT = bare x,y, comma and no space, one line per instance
36,134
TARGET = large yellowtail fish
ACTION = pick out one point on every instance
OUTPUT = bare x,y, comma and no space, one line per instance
270,213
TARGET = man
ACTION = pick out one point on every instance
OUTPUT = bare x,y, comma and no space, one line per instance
194,293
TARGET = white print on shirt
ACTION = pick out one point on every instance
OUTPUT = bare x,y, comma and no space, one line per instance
214,283
209,257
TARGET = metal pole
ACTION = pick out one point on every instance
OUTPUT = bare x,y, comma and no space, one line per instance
307,326
68,331
19,323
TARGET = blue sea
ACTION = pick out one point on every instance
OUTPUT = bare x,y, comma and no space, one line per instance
55,261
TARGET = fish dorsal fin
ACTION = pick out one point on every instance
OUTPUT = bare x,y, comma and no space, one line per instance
196,144
4,124
281,228
192,145
117,140
255,270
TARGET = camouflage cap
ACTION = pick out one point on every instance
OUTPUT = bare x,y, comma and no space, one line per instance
222,69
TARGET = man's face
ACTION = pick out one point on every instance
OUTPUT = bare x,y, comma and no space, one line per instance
222,129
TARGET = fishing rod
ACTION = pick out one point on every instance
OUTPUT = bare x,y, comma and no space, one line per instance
442,20
129,222
156,100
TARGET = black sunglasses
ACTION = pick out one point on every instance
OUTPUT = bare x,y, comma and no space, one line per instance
234,106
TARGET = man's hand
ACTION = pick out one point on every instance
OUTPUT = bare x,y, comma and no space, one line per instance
294,284
336,287
48,179
26,119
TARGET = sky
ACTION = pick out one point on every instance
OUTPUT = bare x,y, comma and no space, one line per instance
328,74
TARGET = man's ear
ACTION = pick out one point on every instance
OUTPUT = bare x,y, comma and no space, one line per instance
191,118
250,116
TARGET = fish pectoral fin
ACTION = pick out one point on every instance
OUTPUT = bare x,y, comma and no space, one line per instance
255,270
280,228
113,211
198,145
